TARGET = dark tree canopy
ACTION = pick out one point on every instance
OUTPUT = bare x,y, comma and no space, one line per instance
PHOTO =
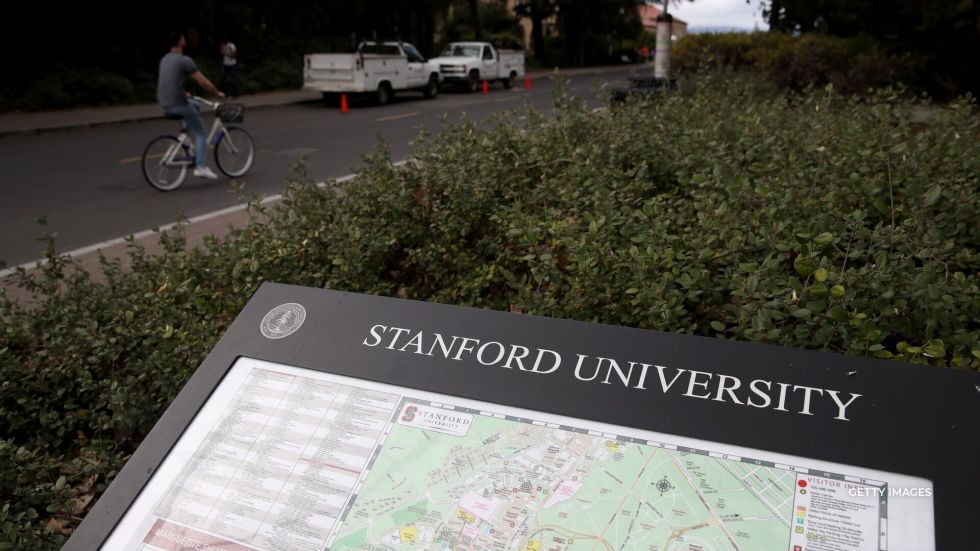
943,34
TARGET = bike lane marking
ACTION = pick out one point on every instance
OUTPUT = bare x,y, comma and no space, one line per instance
397,117
37,263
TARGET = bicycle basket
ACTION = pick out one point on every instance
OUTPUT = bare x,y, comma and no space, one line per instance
231,112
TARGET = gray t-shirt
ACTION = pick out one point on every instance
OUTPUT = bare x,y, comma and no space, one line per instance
174,70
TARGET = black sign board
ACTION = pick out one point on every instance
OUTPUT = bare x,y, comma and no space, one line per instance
324,419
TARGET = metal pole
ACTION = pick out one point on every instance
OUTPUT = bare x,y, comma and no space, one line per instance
661,66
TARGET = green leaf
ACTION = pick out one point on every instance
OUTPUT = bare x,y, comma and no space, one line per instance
718,326
60,483
821,275
837,291
898,148
824,239
804,265
935,349
802,313
933,195
748,267
838,314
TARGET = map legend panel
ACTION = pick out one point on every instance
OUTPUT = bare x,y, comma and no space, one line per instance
837,515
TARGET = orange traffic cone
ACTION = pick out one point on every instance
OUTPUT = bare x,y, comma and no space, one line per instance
486,87
527,83
343,104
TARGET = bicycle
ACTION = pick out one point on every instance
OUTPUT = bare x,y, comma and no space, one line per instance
167,158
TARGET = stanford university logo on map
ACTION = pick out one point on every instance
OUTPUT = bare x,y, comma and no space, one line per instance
283,320
434,418
409,414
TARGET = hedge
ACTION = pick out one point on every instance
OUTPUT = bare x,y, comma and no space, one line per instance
852,65
65,88
726,210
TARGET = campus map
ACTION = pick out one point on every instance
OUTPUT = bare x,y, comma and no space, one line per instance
517,484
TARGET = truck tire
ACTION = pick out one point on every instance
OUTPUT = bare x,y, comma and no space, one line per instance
511,80
431,89
384,93
473,82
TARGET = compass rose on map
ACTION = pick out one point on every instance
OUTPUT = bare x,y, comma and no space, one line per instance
664,486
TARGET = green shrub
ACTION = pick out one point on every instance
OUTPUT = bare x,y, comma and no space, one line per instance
812,220
852,65
62,89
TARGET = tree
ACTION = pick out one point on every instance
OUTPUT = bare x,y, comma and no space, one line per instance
944,35
537,11
588,27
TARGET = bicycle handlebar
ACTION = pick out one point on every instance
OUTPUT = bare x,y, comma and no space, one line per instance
210,103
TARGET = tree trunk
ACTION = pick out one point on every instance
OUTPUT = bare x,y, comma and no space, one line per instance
571,25
475,8
538,11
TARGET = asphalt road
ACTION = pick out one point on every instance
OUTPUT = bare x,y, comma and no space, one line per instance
88,185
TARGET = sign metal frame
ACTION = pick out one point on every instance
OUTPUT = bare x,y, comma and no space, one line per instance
911,420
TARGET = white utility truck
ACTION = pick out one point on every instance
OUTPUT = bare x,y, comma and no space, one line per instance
470,63
377,68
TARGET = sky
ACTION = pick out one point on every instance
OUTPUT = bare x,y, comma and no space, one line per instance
719,13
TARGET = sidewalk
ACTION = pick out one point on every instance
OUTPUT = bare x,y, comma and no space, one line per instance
27,123
31,123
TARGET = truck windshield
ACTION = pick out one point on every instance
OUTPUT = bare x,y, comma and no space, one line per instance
456,50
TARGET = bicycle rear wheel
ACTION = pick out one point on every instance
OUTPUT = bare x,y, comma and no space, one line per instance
235,152
165,163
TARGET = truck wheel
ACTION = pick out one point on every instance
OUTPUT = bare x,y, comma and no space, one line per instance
511,80
473,82
383,94
431,89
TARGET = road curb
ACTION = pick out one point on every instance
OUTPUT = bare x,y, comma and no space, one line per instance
56,127
109,122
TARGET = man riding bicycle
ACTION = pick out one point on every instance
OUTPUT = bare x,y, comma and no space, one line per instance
175,67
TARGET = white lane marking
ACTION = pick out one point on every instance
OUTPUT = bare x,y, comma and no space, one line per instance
396,117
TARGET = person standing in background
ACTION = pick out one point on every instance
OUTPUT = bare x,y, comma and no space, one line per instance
229,67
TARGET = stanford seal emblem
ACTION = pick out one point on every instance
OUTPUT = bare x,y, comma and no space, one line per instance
283,320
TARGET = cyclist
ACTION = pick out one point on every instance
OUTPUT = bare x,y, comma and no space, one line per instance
175,67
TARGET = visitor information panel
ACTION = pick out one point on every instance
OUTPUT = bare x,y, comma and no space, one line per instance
327,420
287,458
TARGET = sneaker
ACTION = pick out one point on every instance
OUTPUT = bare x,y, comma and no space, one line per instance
205,172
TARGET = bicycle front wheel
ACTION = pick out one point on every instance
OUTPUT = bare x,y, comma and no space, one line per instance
235,152
165,163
